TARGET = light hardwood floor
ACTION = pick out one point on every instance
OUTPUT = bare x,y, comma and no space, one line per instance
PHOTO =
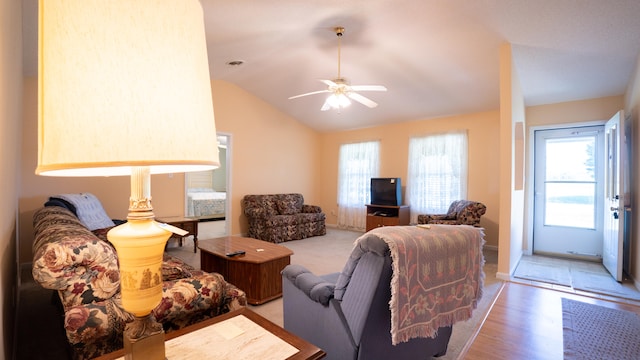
525,322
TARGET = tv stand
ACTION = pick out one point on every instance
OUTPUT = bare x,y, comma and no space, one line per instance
386,215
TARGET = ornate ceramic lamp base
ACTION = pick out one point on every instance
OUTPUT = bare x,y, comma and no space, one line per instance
144,339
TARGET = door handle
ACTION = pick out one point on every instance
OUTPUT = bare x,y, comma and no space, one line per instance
615,212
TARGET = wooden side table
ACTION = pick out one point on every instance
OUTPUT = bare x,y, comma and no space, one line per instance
187,224
202,341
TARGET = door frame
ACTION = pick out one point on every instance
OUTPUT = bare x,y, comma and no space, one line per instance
530,176
228,203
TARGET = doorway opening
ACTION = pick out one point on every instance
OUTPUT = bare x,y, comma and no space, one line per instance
568,192
568,231
207,194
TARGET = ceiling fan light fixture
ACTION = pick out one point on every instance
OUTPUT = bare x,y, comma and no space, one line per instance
336,101
340,101
341,91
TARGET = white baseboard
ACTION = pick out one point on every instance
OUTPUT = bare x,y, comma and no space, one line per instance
491,247
503,276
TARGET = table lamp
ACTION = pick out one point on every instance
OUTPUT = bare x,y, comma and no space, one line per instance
121,84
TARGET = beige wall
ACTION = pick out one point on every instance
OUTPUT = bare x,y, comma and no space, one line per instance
483,132
511,194
270,151
10,122
600,109
632,108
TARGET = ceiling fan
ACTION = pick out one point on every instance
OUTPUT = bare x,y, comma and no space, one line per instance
340,89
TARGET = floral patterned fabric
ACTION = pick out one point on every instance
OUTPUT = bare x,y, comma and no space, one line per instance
83,267
282,217
461,212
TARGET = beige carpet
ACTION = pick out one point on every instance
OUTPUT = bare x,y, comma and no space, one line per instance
328,254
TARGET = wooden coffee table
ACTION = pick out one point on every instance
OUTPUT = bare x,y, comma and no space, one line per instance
257,272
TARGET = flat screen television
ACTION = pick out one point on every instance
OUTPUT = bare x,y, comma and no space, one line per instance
386,191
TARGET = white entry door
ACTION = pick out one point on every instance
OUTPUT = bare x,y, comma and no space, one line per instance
568,217
615,196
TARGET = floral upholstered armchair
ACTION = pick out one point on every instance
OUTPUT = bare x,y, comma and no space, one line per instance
461,212
282,217
83,267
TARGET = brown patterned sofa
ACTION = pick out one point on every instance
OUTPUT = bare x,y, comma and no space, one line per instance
282,217
83,267
461,212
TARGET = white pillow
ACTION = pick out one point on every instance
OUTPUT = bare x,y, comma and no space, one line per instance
89,210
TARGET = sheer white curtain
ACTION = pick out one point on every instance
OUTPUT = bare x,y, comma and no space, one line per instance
358,163
437,172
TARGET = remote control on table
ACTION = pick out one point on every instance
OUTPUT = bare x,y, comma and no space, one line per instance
236,253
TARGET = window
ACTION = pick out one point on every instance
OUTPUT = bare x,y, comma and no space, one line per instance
570,182
358,163
437,172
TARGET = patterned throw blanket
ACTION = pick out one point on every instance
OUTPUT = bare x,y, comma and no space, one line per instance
437,276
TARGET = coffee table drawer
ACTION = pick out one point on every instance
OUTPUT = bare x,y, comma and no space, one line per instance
261,282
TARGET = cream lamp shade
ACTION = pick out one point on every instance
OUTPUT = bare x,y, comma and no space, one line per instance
123,83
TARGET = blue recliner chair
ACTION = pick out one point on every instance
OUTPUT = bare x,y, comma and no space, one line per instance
352,322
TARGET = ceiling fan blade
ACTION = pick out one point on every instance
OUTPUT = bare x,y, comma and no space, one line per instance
362,100
310,93
328,82
368,88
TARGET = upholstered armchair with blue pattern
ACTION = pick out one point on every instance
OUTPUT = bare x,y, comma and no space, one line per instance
461,212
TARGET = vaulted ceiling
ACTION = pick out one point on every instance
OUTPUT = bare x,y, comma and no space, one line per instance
436,58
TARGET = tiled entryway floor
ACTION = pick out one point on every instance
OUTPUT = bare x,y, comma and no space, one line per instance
558,267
